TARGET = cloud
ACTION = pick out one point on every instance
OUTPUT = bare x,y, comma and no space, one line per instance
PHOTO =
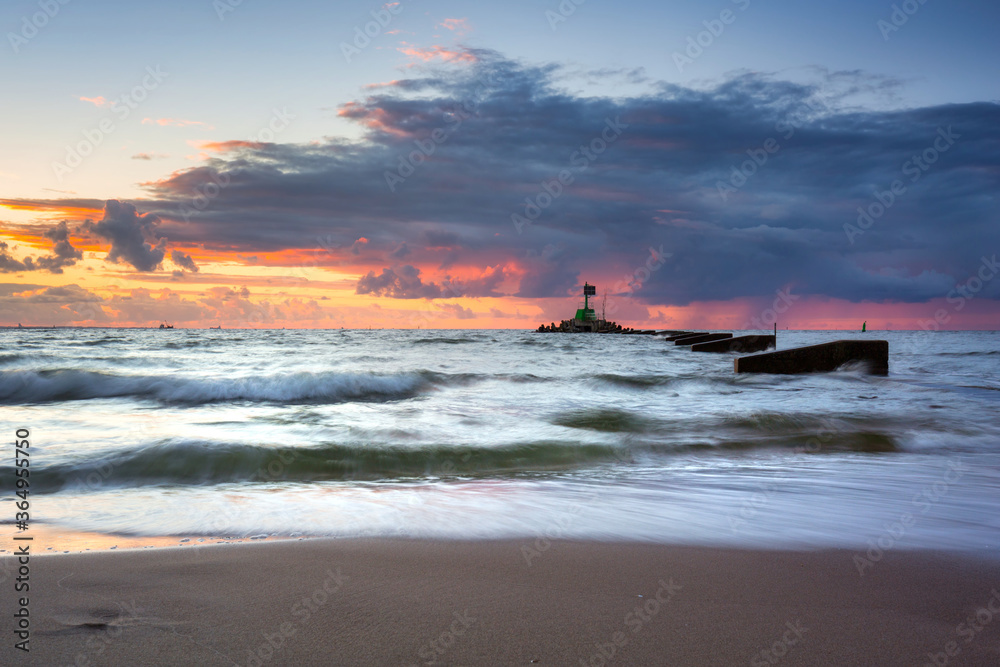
65,304
149,156
461,26
183,260
74,305
98,101
510,129
128,232
358,245
439,52
227,146
62,295
175,122
9,264
405,282
401,283
456,310
63,254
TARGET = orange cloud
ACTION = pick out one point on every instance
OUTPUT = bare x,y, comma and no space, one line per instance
98,101
225,146
76,209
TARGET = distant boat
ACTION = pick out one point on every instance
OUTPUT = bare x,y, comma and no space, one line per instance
218,327
164,325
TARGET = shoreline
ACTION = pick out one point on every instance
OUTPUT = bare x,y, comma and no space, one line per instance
406,601
52,540
59,541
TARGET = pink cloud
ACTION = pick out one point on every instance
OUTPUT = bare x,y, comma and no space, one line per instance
376,119
382,84
442,52
456,25
98,101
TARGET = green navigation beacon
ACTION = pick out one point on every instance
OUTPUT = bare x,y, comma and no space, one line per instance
587,314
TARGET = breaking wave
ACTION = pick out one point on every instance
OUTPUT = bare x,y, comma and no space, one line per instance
205,463
18,387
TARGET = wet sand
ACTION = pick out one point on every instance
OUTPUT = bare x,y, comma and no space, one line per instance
416,602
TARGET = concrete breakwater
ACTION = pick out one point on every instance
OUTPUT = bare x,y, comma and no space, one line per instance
583,326
753,343
871,355
701,338
601,326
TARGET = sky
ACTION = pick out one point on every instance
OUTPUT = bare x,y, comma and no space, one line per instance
725,164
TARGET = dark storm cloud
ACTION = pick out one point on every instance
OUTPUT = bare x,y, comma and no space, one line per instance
10,264
183,260
749,183
128,232
404,282
63,254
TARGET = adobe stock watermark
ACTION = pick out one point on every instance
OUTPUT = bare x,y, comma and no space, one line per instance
224,519
437,647
632,282
363,36
899,17
714,28
914,168
765,491
967,631
557,529
562,13
301,611
579,160
30,25
783,301
223,7
739,176
91,479
122,107
453,120
963,293
220,180
893,532
634,620
753,504
780,647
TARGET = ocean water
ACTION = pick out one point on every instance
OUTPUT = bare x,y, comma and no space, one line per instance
483,434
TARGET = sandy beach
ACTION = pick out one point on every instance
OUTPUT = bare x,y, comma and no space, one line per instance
510,602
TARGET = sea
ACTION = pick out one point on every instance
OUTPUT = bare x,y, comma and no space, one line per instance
483,434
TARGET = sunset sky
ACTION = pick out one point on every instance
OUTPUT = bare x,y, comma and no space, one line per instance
469,165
